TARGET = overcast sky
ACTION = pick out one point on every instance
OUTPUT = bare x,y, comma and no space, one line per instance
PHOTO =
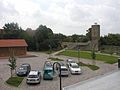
62,16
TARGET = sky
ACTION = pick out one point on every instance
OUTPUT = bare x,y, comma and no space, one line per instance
62,16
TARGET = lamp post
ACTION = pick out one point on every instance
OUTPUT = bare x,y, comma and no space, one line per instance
59,74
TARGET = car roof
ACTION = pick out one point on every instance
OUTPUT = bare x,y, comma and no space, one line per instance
25,64
70,60
63,67
74,64
34,72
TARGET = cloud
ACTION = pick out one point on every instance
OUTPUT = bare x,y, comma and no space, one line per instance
7,10
63,16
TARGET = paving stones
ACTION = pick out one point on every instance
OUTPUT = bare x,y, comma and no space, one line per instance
38,63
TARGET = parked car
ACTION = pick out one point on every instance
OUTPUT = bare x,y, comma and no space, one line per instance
34,77
74,68
64,69
48,71
48,64
69,61
61,63
23,70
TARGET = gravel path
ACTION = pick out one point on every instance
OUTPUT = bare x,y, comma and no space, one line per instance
38,62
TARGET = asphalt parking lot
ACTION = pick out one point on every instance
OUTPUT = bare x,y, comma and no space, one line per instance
37,63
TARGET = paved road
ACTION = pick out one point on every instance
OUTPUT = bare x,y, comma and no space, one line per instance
107,82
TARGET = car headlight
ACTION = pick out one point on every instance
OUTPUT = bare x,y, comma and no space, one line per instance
37,79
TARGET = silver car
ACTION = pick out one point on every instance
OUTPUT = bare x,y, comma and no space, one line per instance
74,68
64,71
34,77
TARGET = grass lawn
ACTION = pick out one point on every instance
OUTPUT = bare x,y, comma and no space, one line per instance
87,55
92,67
14,81
56,59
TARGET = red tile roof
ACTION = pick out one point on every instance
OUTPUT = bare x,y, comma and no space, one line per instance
13,43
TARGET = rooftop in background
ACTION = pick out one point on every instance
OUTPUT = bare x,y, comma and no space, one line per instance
13,43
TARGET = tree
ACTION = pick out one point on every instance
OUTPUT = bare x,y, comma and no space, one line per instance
75,37
110,39
43,36
88,34
12,64
11,26
12,30
29,39
59,37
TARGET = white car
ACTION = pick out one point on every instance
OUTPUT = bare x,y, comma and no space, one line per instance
69,61
74,68
34,77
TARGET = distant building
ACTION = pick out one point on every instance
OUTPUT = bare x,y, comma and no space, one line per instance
94,36
16,47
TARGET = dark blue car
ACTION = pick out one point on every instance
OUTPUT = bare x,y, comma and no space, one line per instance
23,70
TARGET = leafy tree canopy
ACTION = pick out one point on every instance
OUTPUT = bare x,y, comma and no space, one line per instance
11,26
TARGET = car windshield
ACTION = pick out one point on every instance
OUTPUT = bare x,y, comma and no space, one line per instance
72,61
23,68
75,66
62,64
48,71
64,69
48,65
32,76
